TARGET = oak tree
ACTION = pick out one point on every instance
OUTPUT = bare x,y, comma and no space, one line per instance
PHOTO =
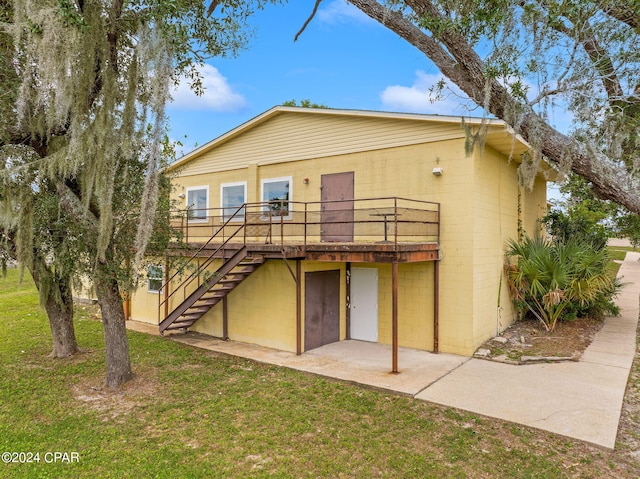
524,60
93,78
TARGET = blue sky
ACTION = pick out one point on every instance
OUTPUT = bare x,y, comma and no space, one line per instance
343,60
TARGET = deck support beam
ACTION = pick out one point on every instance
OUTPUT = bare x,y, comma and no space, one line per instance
166,289
348,305
225,319
394,317
298,308
436,305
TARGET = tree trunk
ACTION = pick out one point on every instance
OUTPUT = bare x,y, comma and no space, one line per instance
61,322
116,344
58,304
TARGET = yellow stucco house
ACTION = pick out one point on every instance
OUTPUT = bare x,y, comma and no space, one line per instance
309,226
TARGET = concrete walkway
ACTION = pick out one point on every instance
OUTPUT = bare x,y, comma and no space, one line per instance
582,400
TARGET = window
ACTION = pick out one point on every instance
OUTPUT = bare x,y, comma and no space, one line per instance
277,193
198,202
232,196
155,275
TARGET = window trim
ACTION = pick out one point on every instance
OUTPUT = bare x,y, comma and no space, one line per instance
149,279
274,180
222,206
188,189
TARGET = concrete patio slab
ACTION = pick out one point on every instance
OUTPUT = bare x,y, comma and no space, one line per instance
353,361
582,400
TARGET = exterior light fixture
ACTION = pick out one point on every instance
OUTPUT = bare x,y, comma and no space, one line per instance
437,172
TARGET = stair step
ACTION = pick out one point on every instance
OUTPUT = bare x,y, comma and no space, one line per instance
235,277
253,262
209,296
196,310
225,287
177,325
246,270
208,301
219,295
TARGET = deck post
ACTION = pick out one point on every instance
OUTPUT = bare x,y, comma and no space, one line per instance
298,308
394,316
225,319
348,301
436,305
166,289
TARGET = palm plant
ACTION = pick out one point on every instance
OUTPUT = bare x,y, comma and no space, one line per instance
544,277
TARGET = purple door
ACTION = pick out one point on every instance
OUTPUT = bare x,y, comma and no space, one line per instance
322,308
337,212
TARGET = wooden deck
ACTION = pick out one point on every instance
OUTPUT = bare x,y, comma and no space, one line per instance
374,230
333,252
377,230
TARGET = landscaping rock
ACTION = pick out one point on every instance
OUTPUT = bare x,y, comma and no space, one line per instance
537,359
528,342
530,359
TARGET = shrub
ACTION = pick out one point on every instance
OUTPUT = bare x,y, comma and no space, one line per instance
552,280
579,223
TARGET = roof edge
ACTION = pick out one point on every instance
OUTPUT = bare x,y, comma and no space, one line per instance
279,109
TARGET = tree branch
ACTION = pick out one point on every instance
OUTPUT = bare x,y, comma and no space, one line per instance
467,71
448,65
75,209
598,55
113,33
313,14
627,14
212,7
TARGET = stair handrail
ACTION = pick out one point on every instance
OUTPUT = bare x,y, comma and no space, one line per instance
241,226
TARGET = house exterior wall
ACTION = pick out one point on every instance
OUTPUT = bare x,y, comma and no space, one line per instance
482,206
415,304
144,305
303,136
399,171
496,193
454,191
534,206
501,208
261,310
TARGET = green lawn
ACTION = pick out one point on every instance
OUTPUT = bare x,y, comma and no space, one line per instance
617,253
194,414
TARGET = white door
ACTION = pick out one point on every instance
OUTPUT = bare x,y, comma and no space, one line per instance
364,304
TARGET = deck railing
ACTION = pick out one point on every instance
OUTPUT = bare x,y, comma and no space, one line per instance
372,220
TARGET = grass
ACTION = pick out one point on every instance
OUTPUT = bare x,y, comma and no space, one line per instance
617,253
191,413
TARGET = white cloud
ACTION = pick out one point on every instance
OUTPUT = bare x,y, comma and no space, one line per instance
339,11
418,98
218,95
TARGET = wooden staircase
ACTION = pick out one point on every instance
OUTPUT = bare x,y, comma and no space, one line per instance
224,280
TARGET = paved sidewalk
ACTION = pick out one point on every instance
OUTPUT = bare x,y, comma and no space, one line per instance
577,399
582,400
